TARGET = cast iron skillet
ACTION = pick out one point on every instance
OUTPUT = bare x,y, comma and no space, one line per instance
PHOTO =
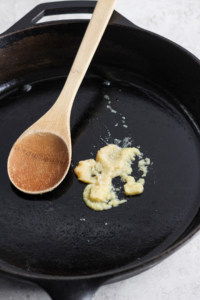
55,240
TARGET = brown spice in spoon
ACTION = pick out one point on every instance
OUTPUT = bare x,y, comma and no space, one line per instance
38,162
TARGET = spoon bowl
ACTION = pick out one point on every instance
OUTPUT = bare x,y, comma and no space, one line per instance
38,162
40,158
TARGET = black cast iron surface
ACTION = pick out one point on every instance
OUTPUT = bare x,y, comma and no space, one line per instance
154,85
56,232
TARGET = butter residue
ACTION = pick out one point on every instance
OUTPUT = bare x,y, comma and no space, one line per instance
111,161
142,166
114,111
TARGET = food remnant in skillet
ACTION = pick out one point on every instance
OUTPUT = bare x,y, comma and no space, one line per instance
142,166
111,109
111,161
114,111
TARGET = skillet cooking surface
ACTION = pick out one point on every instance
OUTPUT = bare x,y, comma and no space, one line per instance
56,232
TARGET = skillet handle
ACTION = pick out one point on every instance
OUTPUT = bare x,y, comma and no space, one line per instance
71,290
62,7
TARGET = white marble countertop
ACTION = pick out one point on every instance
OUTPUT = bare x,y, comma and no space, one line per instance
177,277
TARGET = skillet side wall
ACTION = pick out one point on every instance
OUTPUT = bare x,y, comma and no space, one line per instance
139,51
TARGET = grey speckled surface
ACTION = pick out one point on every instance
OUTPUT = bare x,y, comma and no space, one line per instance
178,277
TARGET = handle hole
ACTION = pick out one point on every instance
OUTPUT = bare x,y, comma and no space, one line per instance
63,17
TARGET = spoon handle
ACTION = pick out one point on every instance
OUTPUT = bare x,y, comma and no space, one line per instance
89,44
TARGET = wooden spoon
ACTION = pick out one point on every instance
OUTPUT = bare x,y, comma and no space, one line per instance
40,158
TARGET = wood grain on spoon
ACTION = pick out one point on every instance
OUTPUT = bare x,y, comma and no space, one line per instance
40,158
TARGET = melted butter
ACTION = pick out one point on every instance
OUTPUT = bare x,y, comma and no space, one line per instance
142,165
111,161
